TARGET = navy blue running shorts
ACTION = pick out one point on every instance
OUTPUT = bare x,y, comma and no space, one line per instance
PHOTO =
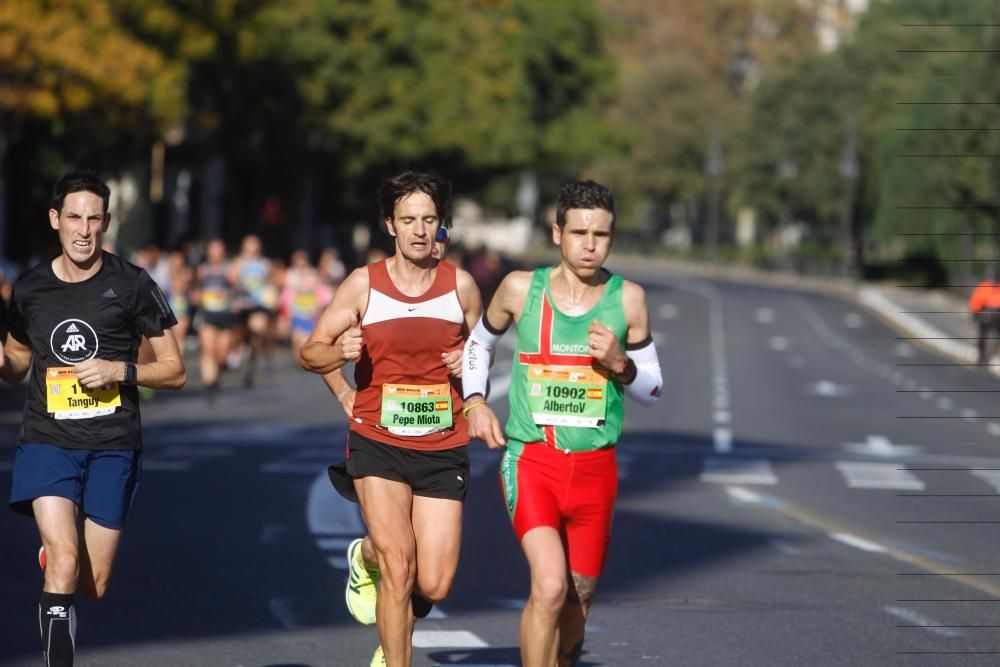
102,482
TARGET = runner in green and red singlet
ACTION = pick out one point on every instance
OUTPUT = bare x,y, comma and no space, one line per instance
583,341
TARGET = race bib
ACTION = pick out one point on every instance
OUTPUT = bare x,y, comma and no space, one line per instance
567,395
68,399
416,409
214,300
305,304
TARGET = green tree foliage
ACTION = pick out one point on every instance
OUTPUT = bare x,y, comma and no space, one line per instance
801,113
935,176
688,70
489,84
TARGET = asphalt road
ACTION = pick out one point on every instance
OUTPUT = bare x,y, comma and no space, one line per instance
811,490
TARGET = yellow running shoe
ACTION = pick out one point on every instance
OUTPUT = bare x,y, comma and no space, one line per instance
378,660
362,587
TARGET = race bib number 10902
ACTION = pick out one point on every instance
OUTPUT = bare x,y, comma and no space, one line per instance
567,395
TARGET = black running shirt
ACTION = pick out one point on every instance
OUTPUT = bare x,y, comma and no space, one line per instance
65,324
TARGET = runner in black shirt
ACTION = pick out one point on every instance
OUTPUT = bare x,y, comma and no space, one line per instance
76,322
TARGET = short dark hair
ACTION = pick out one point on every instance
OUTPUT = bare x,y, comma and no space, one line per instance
394,188
80,181
583,194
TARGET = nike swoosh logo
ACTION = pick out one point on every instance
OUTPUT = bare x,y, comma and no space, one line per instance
413,309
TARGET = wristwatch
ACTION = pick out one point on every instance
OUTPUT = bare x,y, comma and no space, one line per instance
129,373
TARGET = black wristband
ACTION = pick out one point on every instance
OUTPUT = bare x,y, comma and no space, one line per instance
130,373
627,376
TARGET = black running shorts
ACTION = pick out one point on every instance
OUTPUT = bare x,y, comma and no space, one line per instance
438,474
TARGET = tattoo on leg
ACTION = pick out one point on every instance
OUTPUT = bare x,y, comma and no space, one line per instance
582,590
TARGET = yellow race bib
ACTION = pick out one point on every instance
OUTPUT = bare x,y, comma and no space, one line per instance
68,399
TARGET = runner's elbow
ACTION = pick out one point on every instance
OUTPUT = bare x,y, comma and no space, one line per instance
311,359
176,379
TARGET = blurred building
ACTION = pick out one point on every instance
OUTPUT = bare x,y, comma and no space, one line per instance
835,19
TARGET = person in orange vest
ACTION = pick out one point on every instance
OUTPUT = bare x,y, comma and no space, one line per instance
985,306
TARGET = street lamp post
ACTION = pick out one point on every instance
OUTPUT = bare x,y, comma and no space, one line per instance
848,168
714,166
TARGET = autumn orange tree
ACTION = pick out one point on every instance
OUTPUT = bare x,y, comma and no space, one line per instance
70,72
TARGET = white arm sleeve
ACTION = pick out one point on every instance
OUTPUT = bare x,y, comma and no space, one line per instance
645,388
476,360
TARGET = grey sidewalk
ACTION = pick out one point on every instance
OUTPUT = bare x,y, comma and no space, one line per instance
934,319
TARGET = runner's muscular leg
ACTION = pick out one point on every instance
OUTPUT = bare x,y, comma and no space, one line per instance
97,556
546,556
386,506
208,337
573,619
437,528
57,525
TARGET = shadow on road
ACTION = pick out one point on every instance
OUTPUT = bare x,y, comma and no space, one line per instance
214,549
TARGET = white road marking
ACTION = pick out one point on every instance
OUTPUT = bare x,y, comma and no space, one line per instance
786,547
737,471
879,445
857,542
919,620
745,496
878,476
446,639
991,477
668,311
828,388
329,514
281,609
334,543
779,343
765,315
720,373
722,440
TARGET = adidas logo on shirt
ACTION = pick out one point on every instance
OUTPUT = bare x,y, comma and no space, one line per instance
109,293
72,328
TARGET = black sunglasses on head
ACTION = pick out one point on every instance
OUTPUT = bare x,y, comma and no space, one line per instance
442,235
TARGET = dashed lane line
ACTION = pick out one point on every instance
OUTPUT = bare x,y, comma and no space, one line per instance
832,527
917,620
721,470
866,475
